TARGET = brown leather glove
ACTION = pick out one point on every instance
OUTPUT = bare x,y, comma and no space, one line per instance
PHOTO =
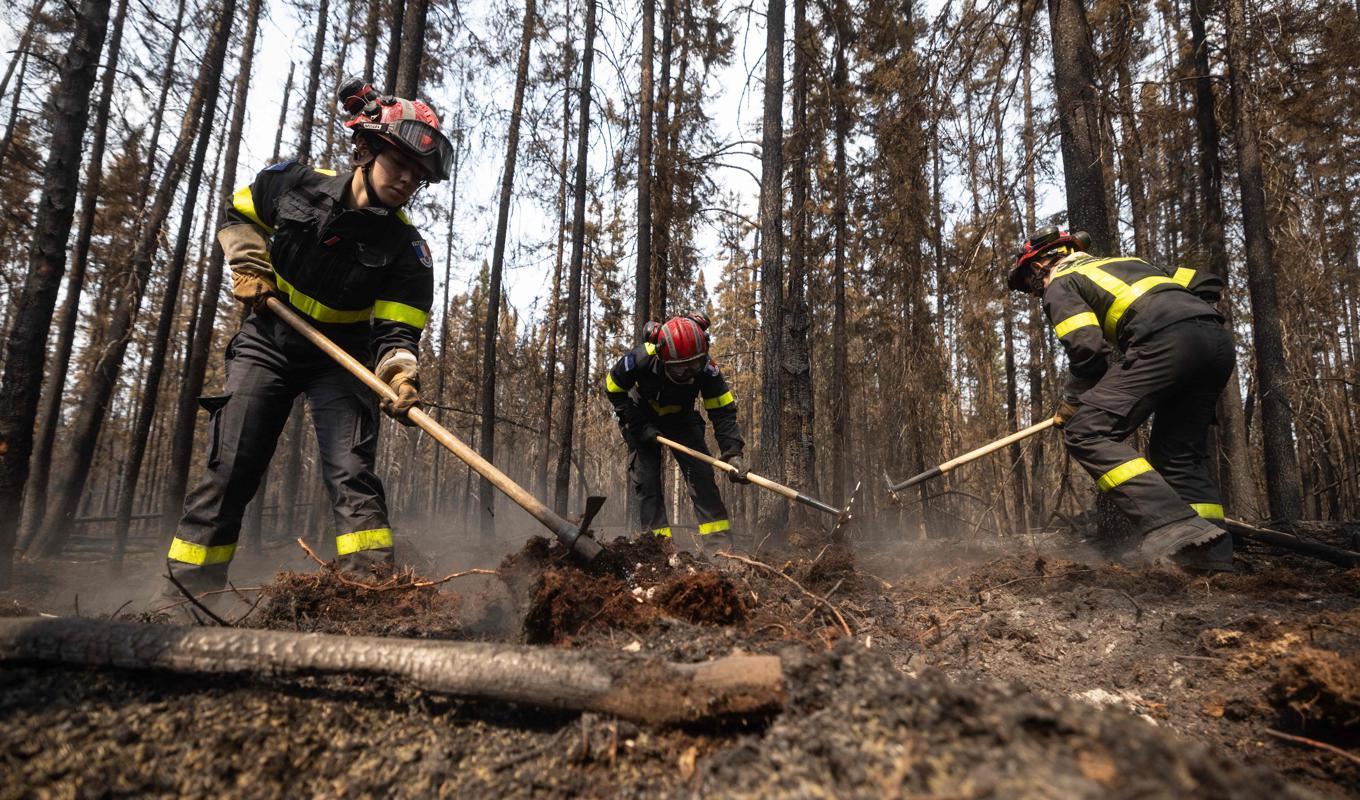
251,286
1066,408
399,370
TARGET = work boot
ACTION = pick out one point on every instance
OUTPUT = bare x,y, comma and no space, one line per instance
1165,541
1216,555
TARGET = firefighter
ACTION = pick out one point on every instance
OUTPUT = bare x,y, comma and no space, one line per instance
1140,341
653,389
337,248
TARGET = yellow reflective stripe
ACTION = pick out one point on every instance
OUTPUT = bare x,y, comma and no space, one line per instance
724,399
610,386
400,312
666,531
1076,321
200,555
318,310
243,201
1128,297
330,172
1183,276
664,410
716,526
363,540
1123,472
401,215
1208,510
650,348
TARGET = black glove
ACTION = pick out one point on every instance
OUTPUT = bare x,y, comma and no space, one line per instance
739,475
1067,407
646,435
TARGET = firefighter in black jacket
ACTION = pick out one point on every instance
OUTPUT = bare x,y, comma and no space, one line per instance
653,389
1176,358
339,250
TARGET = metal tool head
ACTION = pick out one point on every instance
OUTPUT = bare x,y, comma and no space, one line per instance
892,493
581,541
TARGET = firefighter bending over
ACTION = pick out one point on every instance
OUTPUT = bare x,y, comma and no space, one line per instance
653,389
340,251
1176,358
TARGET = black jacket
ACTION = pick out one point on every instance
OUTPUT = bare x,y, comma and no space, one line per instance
364,276
642,395
1099,305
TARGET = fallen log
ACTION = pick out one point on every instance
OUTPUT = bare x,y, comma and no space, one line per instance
632,687
1286,541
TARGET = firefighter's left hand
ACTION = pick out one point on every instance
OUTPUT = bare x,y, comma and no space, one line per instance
1066,409
739,474
408,397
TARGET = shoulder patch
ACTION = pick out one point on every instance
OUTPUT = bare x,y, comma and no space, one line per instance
712,368
629,362
279,167
423,253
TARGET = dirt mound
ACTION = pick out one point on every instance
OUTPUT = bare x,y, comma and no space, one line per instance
705,598
388,604
566,603
1318,694
857,727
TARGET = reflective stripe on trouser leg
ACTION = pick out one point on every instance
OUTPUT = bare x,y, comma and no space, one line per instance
1120,472
644,474
346,416
709,509
244,427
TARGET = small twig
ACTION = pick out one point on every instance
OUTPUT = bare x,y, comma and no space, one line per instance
1331,748
395,581
309,552
751,562
170,574
116,611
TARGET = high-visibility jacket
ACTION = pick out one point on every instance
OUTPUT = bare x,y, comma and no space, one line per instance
1097,305
642,394
363,276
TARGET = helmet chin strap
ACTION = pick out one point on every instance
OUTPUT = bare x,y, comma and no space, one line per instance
373,199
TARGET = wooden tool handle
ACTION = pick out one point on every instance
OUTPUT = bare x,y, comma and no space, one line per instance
762,482
564,530
997,445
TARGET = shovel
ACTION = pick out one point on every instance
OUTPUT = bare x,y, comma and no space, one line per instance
842,515
576,536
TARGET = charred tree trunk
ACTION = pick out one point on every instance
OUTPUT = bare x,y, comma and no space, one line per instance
1283,491
283,114
313,84
35,499
772,512
397,23
578,237
1074,70
491,327
840,410
412,48
25,349
638,688
797,427
104,377
1234,471
370,37
167,80
661,202
182,441
642,310
437,504
21,61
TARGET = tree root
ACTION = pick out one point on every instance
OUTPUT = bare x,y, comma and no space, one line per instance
636,688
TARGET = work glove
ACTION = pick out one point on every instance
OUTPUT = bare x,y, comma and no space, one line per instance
739,476
252,286
399,370
646,435
1066,408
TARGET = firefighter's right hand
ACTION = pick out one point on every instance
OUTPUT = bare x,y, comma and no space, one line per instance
647,434
251,286
1066,409
738,474
400,371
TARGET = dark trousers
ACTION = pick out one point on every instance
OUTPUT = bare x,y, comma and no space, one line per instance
266,369
1177,375
644,470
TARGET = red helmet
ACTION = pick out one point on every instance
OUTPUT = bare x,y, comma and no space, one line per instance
682,345
1043,242
409,125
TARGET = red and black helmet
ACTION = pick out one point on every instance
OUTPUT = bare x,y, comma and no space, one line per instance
682,345
409,125
1042,242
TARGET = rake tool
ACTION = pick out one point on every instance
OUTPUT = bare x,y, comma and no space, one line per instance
972,455
576,536
842,515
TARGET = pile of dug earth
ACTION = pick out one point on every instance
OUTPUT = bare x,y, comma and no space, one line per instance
1009,677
